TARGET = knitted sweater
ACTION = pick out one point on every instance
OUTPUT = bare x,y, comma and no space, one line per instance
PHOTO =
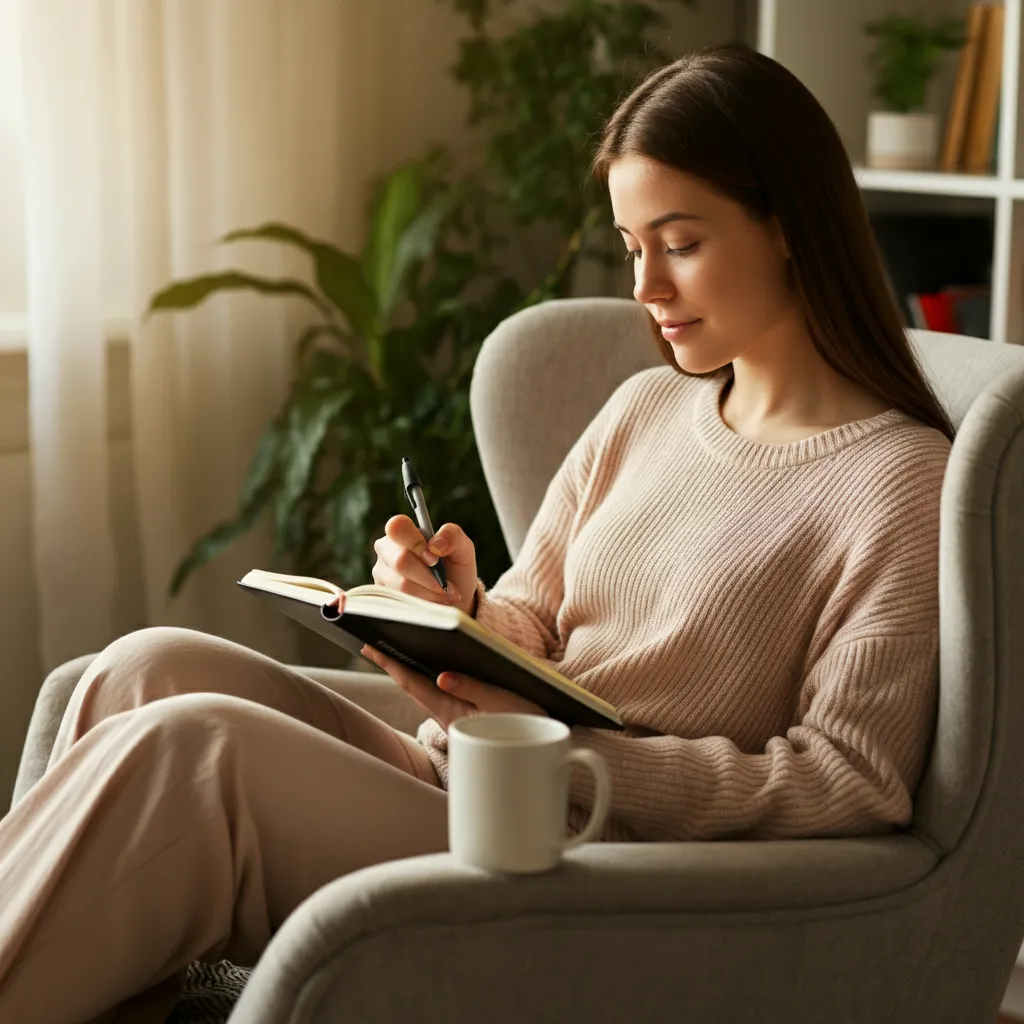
764,617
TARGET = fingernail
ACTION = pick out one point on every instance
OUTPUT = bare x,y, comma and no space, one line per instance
453,594
438,545
429,557
448,681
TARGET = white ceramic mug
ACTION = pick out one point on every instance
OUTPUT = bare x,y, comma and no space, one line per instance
508,791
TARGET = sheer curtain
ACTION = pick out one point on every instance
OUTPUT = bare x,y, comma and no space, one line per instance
150,128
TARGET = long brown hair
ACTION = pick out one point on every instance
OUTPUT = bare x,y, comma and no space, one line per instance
748,128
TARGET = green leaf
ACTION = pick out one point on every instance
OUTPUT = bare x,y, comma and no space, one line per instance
326,371
339,276
397,205
311,334
291,528
190,292
907,55
214,543
257,491
417,243
274,231
308,421
474,10
261,468
344,283
346,513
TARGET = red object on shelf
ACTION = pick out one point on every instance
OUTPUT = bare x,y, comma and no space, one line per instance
937,309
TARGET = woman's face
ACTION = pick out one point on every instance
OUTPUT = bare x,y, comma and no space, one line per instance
713,277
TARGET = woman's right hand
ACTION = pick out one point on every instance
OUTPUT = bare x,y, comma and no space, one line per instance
403,558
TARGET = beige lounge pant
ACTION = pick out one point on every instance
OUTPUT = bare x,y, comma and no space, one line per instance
197,793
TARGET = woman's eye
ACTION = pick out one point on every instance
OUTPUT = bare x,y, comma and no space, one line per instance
634,254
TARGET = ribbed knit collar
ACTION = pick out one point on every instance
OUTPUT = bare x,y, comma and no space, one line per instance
736,450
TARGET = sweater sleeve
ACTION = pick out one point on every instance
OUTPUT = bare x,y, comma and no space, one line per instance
854,754
848,767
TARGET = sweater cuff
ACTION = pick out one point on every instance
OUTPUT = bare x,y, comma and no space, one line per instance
488,613
478,596
434,741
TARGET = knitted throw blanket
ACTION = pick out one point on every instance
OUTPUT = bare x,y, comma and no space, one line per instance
210,993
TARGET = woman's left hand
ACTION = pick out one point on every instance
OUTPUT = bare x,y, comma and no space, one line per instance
453,696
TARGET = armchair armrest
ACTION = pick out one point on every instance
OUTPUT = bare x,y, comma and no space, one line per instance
426,938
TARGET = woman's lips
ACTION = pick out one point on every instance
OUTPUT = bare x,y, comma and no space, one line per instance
677,330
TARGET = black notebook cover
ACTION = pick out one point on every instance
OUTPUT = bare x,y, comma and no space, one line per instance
431,650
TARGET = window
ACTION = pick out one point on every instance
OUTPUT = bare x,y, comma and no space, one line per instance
112,246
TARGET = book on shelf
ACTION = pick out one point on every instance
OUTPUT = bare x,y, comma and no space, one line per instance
925,253
429,638
956,309
932,311
963,89
980,132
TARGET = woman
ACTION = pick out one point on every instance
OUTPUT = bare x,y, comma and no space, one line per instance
740,553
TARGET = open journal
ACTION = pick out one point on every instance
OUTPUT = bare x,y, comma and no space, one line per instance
431,639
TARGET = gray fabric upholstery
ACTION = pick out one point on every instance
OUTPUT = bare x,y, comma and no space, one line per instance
539,380
981,581
53,698
696,932
917,926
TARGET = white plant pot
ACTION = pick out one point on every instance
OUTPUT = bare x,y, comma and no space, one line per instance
902,142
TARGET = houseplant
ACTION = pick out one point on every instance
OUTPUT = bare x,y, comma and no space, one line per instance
381,372
384,370
903,135
542,92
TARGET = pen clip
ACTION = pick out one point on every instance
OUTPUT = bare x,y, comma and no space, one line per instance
411,479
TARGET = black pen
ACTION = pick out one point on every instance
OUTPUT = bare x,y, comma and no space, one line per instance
414,492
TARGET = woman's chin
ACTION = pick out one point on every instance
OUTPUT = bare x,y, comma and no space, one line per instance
692,362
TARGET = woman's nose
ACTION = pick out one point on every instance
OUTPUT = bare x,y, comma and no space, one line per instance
651,284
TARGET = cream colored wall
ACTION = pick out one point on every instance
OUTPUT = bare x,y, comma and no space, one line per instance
425,106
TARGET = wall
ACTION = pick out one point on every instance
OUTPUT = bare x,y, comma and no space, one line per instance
425,106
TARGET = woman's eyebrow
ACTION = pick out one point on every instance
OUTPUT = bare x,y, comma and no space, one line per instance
665,218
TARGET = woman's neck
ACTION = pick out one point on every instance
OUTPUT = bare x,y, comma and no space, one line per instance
782,390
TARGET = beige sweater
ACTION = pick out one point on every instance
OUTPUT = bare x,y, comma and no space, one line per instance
764,617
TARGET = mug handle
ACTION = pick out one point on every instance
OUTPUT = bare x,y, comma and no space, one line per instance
593,761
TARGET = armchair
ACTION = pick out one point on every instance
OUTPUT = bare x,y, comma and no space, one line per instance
923,924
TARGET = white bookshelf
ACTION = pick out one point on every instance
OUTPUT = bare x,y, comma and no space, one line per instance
823,43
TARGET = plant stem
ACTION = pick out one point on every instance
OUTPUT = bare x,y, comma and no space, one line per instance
552,284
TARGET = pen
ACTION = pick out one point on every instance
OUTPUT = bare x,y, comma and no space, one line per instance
414,492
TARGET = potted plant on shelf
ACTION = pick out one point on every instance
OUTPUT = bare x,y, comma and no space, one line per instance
903,135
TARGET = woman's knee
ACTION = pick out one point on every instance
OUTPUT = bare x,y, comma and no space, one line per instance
135,670
139,668
193,730
188,715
